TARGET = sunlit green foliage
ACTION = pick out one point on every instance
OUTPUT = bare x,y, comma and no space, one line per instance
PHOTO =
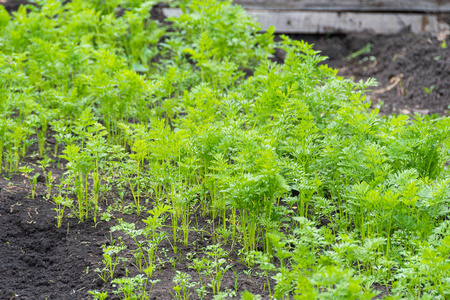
288,161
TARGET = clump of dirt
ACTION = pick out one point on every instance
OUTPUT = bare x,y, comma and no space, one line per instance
413,71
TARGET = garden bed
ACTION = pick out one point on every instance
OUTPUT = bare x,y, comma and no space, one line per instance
307,164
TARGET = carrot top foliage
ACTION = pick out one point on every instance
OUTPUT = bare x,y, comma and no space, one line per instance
293,168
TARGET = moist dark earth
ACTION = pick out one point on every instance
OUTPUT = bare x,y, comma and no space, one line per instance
40,261
413,71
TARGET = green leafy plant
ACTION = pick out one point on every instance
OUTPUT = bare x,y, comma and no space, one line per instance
211,269
61,204
98,295
85,163
32,180
146,239
182,286
429,90
134,287
364,50
111,258
44,164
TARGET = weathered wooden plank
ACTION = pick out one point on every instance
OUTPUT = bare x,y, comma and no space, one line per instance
316,22
346,22
434,6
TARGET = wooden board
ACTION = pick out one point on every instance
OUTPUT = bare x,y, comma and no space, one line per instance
320,22
429,6
346,22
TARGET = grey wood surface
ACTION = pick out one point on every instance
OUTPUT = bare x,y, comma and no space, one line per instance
320,22
432,6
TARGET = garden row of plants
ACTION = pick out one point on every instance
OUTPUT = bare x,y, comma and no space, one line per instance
294,169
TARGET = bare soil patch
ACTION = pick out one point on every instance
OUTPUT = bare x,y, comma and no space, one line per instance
413,71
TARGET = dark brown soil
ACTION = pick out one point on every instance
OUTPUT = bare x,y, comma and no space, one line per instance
38,260
405,65
12,5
